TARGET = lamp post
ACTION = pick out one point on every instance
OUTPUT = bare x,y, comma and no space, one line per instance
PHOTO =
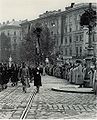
38,31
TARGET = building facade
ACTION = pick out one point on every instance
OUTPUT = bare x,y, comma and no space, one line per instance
75,37
71,40
12,32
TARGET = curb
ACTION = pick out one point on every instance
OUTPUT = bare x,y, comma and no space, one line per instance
68,91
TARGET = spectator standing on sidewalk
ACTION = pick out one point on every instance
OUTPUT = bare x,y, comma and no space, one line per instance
80,75
37,78
71,74
87,76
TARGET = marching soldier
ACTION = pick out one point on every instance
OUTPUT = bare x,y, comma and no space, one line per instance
24,75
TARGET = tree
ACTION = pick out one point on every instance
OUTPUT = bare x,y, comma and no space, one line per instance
37,34
88,17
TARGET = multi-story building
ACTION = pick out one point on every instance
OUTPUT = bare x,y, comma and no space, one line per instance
12,32
71,39
75,38
53,21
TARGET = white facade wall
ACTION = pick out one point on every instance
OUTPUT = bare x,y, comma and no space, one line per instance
14,32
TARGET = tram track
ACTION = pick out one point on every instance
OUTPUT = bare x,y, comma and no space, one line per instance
27,108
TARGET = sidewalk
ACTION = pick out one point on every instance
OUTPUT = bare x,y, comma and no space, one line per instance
72,88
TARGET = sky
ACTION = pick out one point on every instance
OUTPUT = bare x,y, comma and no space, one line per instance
31,9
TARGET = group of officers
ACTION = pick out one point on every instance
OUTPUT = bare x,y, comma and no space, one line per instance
23,73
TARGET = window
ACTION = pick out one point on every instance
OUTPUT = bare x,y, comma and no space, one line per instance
65,29
8,33
81,37
20,34
93,37
65,40
65,51
76,38
52,33
70,28
70,39
76,51
70,51
80,51
70,19
61,41
15,40
66,20
75,17
78,17
14,47
15,33
76,26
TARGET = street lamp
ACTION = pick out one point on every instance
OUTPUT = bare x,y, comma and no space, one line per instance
38,31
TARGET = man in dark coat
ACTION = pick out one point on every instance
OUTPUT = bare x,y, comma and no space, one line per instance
14,77
4,76
37,78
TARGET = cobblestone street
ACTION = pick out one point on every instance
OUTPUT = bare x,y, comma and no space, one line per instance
47,104
52,104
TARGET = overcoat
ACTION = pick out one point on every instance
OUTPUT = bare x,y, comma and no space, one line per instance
88,77
73,75
37,77
14,77
70,75
79,79
4,75
95,81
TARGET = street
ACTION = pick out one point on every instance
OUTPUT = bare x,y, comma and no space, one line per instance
46,104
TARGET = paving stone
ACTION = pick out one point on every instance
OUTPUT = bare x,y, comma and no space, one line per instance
50,107
47,103
60,106
31,116
31,112
55,107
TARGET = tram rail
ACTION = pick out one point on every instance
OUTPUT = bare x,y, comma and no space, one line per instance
27,108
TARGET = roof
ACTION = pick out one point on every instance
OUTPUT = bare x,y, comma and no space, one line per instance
12,23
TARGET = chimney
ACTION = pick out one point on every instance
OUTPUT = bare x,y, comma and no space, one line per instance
46,11
13,20
59,10
72,4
